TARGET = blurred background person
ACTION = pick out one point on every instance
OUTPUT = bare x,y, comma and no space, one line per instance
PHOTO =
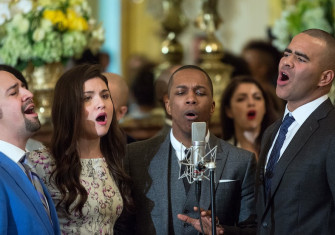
263,59
161,91
142,92
245,113
238,63
83,171
120,93
144,118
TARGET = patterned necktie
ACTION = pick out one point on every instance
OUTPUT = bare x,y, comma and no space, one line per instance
33,177
275,153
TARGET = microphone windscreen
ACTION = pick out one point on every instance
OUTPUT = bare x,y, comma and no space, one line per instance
198,131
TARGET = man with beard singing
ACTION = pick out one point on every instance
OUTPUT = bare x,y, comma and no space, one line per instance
26,206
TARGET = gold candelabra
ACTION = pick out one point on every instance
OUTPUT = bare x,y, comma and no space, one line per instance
174,21
211,53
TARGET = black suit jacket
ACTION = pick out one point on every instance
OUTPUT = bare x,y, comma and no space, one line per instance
303,185
148,164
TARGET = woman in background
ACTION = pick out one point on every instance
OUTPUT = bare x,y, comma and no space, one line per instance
84,171
245,113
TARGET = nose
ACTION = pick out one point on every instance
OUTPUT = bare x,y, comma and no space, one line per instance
288,61
100,103
26,94
251,101
191,98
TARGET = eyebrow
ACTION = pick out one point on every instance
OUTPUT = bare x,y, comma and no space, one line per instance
298,54
91,92
12,87
193,88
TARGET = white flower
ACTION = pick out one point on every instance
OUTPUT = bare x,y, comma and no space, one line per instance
281,31
38,31
20,23
38,34
306,14
46,25
4,13
315,18
22,6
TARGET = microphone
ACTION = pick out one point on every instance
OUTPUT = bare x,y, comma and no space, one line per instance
195,167
198,147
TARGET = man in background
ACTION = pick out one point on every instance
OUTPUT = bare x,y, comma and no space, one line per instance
120,93
262,59
161,90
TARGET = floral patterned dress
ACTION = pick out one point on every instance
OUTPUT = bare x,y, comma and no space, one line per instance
104,203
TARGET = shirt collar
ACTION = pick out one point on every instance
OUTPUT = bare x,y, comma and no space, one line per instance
11,151
302,113
179,147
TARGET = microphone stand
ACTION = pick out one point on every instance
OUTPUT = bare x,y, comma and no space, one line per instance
197,196
211,167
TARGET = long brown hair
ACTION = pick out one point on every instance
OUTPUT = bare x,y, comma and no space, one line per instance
227,124
66,118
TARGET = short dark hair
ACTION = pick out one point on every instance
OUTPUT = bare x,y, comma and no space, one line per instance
269,54
190,67
15,72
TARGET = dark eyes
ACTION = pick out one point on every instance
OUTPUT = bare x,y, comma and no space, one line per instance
197,92
300,59
87,98
106,96
240,99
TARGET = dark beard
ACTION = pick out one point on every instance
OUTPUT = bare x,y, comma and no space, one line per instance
32,126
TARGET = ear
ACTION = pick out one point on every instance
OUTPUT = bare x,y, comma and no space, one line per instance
122,112
167,104
327,78
212,108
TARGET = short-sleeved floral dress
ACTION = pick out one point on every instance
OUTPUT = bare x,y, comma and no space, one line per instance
104,204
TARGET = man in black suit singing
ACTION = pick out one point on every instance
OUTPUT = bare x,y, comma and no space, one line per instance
295,187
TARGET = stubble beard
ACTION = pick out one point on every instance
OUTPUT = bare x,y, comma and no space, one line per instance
32,125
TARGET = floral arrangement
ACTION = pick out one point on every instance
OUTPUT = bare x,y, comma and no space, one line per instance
47,31
304,15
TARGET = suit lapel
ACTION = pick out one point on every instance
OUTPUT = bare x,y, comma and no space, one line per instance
28,189
299,140
263,155
221,158
159,177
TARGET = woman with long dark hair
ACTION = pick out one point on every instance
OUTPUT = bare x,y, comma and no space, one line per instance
245,113
84,171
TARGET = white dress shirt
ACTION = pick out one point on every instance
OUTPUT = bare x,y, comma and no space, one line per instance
11,151
300,115
179,147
